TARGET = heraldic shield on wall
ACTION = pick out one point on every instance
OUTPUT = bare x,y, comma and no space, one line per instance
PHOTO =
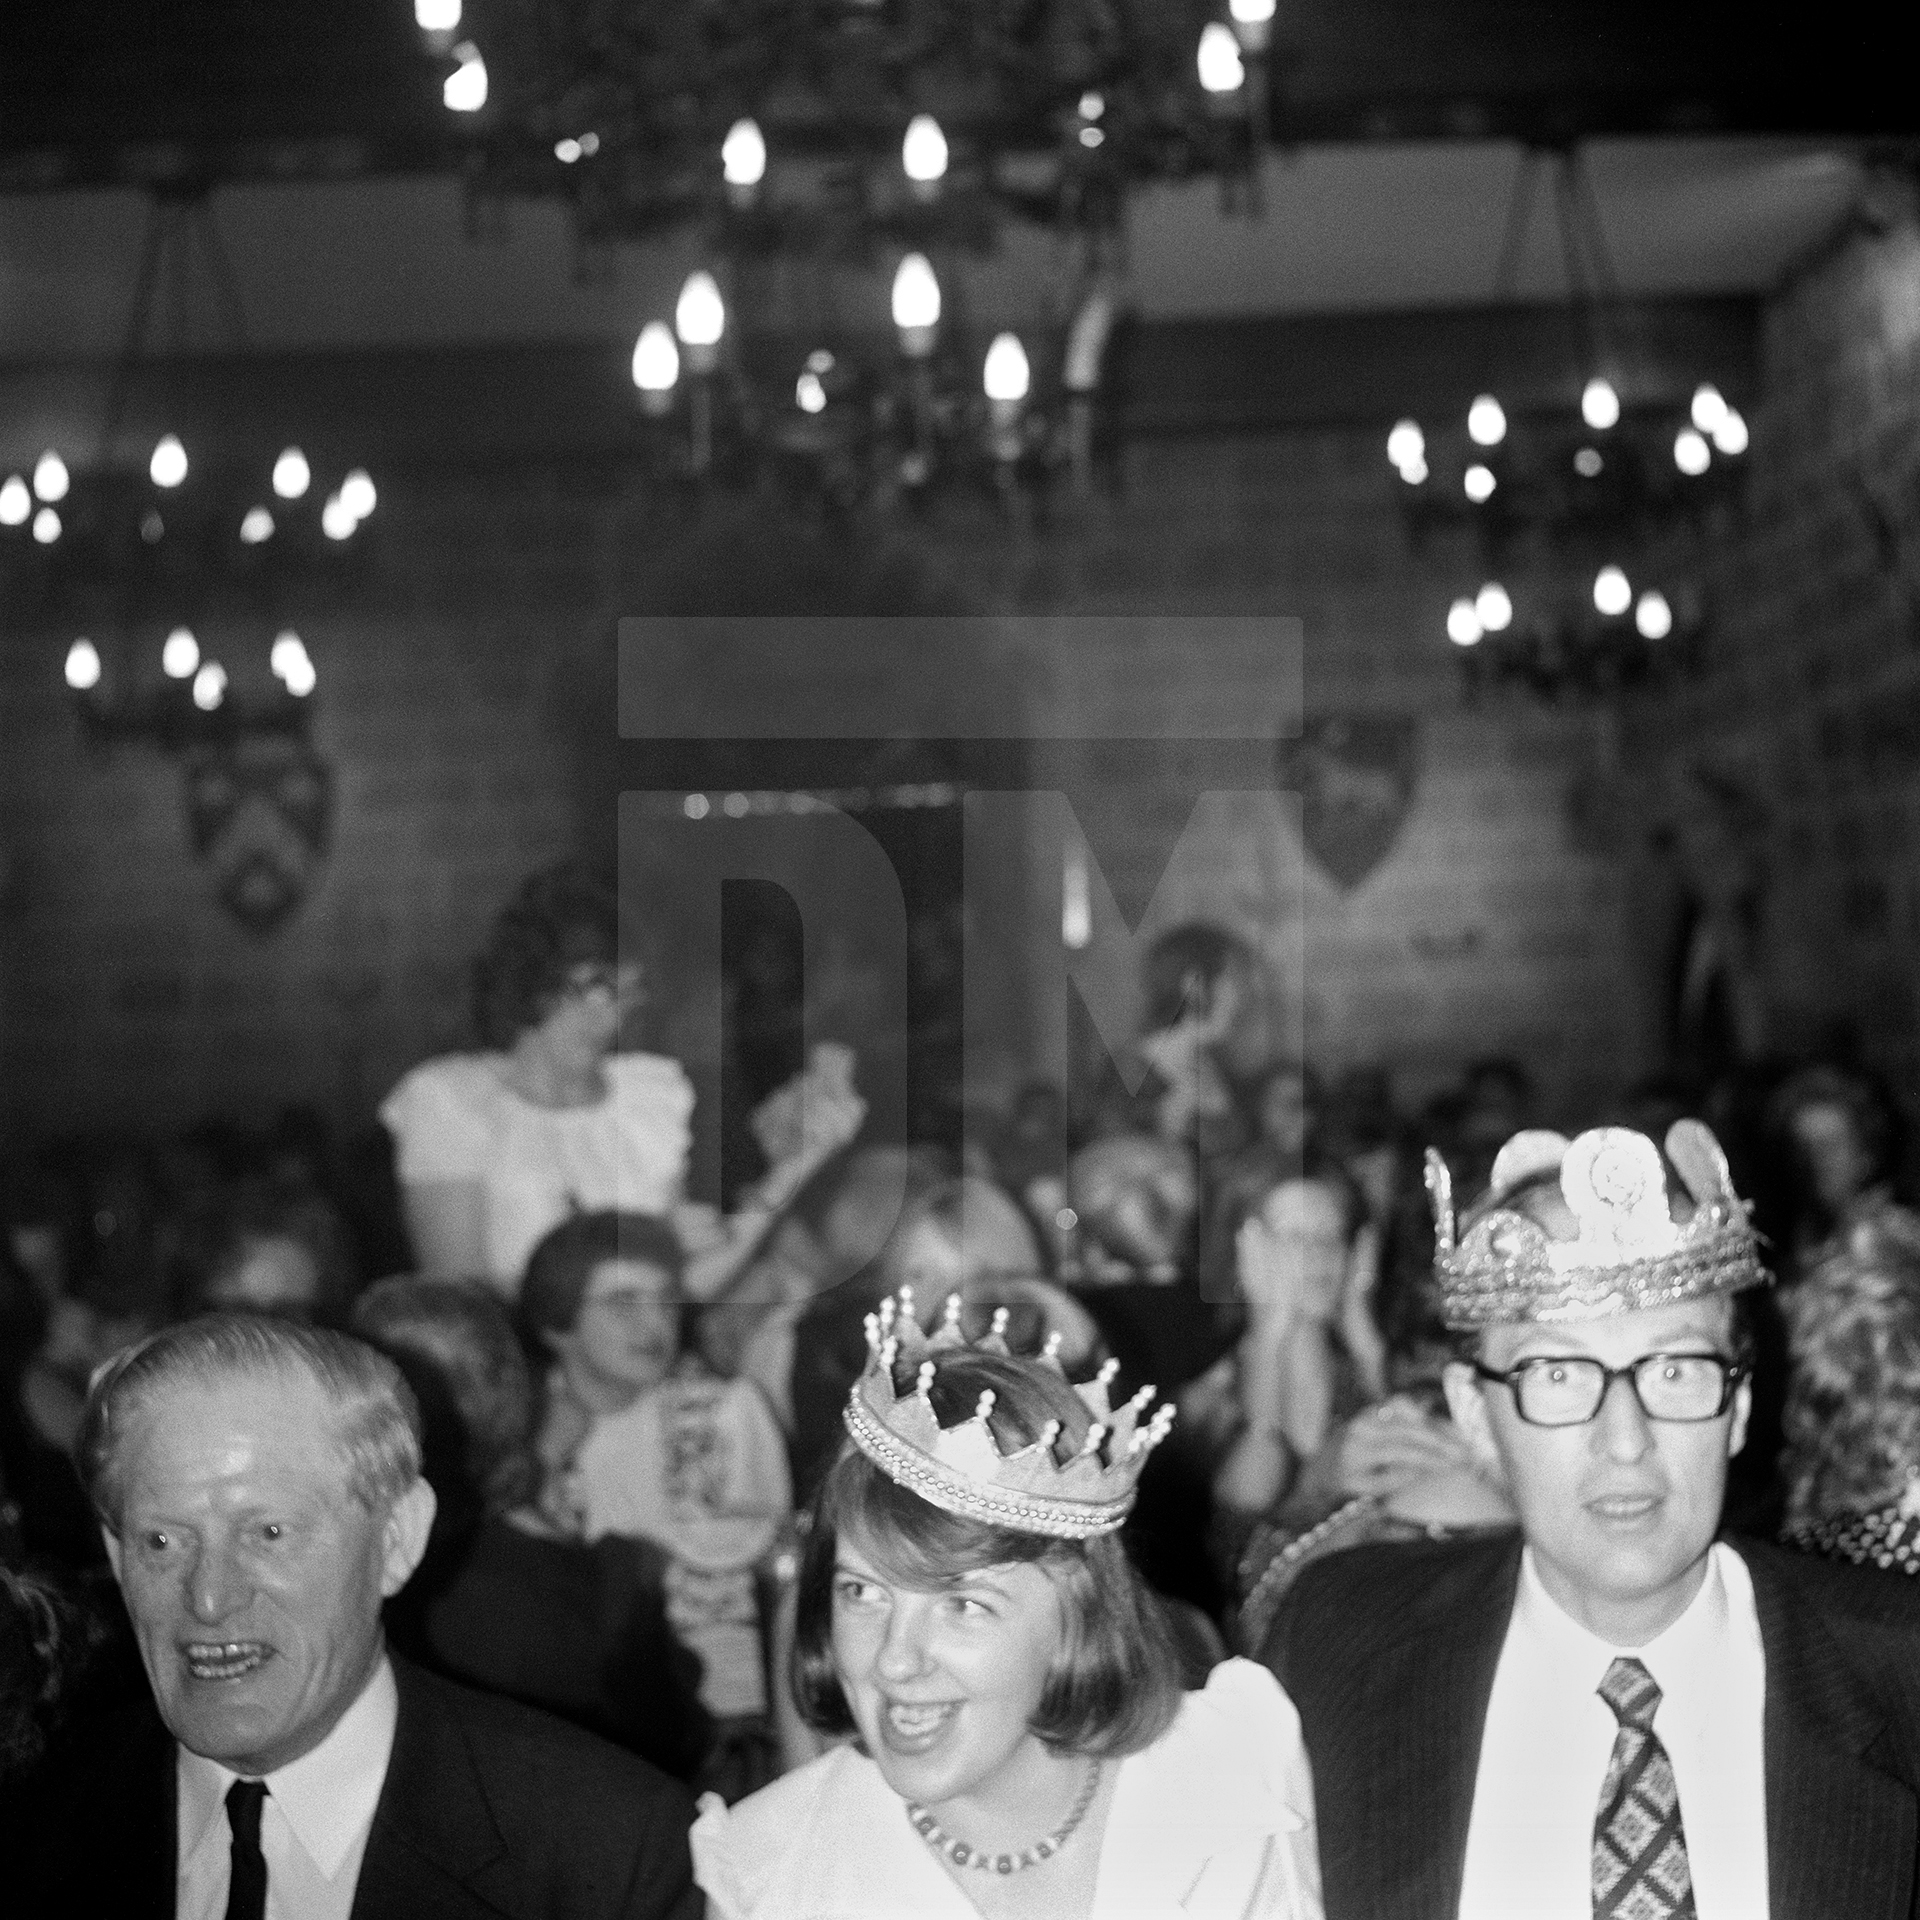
260,814
1355,774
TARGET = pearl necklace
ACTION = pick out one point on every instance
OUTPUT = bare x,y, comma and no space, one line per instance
962,1855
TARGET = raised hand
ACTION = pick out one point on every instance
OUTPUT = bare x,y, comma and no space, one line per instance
1270,1273
1388,1448
814,1115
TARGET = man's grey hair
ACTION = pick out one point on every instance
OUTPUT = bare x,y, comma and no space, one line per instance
376,1420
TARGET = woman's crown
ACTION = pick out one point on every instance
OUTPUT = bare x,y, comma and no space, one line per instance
961,1469
1629,1252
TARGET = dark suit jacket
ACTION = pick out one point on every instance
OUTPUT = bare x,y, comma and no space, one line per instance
490,1811
577,1630
1389,1653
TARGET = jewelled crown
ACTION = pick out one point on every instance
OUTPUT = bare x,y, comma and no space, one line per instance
961,1468
1629,1253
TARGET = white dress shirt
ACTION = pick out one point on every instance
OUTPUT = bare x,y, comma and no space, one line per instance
1549,1736
313,1823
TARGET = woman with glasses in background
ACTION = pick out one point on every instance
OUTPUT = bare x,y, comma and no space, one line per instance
552,1117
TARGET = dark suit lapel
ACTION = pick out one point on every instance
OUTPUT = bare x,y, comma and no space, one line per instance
1421,1720
434,1850
148,1846
140,1837
1841,1830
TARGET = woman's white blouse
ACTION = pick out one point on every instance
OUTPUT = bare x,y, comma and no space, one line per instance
456,1119
1214,1819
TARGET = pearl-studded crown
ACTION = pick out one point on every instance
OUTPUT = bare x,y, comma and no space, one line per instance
1630,1252
961,1469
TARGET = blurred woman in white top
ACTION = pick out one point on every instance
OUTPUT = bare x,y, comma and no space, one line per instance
550,1118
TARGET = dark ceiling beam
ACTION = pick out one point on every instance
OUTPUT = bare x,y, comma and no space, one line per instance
1329,370
395,408
131,93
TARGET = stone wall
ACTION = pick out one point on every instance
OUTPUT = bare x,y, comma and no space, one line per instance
1812,706
465,685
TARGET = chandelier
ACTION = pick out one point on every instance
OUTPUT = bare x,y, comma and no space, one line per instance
175,566
839,164
1584,520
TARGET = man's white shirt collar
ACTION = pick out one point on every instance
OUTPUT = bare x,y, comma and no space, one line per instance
327,1797
1682,1657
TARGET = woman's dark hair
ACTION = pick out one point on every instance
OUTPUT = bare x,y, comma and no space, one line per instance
1115,1682
51,1641
561,918
559,1268
1182,969
455,1343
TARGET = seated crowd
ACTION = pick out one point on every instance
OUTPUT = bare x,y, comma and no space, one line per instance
606,1464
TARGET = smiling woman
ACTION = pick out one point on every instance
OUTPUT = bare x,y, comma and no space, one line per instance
882,1560
1022,1746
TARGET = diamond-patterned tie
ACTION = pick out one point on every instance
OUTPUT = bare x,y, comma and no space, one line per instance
1640,1869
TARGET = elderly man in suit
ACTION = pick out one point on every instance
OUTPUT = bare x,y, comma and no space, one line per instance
259,1485
1610,1715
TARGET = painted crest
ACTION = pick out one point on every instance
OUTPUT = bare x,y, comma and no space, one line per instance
1355,775
260,816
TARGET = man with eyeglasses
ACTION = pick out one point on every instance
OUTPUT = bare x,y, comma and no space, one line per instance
1613,1715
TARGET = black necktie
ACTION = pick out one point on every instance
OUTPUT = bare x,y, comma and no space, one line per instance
247,1884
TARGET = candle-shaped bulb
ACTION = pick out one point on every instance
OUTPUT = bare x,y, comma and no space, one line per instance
916,295
743,155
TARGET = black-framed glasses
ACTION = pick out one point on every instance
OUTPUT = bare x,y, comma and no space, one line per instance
623,982
1556,1390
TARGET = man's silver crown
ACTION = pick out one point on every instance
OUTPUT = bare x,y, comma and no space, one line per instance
1630,1252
